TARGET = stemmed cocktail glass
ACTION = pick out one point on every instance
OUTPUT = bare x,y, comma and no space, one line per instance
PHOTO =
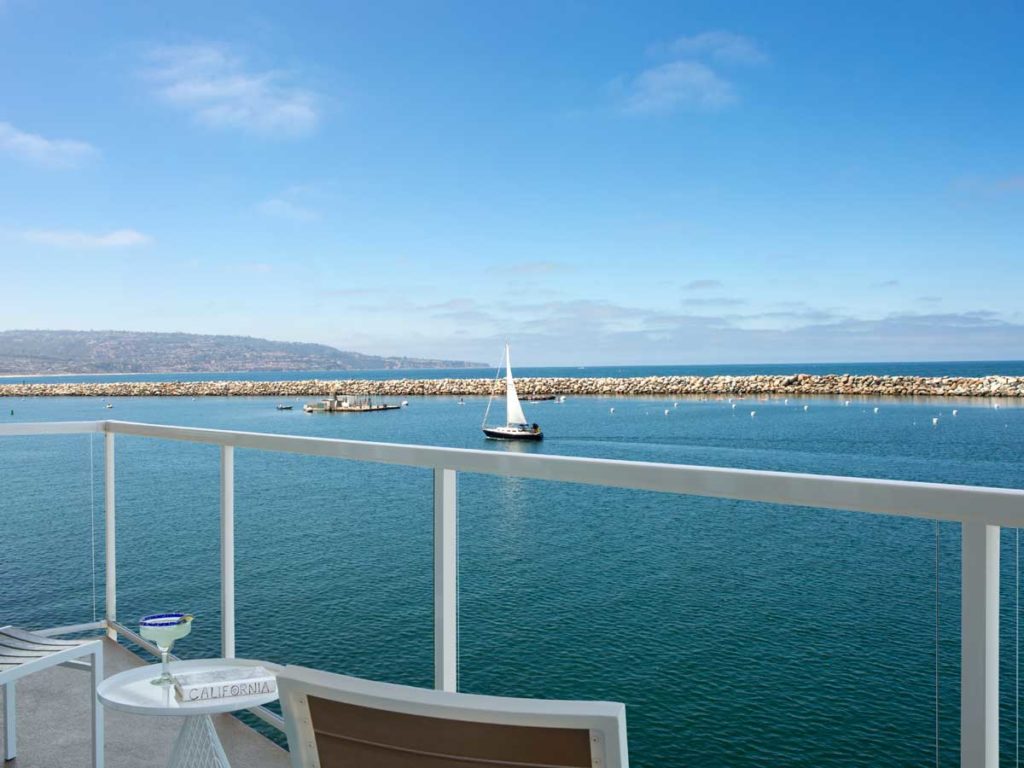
163,629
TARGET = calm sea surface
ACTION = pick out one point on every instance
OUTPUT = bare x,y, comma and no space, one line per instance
738,634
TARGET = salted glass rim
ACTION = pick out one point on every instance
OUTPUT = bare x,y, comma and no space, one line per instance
164,619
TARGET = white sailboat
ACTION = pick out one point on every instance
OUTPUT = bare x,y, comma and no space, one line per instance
516,426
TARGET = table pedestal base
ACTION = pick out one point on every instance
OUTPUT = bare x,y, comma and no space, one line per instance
198,745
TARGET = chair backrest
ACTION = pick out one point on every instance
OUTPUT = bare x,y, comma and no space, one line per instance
335,721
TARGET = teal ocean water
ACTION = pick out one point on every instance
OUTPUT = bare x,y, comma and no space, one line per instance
738,634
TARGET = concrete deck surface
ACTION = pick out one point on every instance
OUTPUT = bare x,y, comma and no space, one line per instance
55,726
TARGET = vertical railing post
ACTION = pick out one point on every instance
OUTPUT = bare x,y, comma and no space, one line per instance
110,533
446,587
979,663
227,551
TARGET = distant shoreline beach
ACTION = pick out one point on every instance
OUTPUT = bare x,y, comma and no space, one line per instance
752,385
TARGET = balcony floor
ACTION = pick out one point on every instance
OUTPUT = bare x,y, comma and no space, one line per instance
54,726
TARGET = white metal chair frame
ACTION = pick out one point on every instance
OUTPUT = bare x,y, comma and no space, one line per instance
606,721
65,656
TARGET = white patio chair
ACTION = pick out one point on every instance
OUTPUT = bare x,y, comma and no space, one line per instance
334,721
22,653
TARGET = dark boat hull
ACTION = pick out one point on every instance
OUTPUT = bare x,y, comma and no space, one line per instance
503,433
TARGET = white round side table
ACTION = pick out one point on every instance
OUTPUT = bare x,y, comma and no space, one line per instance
197,744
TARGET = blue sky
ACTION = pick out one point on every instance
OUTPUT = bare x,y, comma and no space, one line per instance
600,182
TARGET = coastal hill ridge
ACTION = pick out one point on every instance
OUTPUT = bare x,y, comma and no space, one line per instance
30,352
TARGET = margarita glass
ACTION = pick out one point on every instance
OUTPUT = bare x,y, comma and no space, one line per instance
163,629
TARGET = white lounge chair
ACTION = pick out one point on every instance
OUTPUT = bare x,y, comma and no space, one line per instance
22,653
334,721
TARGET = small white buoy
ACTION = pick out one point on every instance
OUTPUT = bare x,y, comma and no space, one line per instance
666,411
405,402
847,403
730,399
806,407
935,421
675,405
753,414
876,409
734,406
786,401
954,411
996,406
611,410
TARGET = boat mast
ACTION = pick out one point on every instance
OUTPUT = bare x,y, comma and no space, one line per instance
513,410
497,373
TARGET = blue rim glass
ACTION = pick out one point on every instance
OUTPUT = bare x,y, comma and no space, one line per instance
162,619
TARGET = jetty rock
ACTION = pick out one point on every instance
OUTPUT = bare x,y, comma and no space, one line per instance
733,386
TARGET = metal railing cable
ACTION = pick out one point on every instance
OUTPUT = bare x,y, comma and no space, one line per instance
938,542
92,520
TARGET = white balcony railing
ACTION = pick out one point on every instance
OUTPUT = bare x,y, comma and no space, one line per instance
980,511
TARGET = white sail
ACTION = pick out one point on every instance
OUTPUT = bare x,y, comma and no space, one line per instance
513,410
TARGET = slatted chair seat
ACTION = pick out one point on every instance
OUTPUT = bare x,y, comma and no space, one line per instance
22,653
18,647
335,721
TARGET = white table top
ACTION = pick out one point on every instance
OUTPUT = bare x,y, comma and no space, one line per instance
132,691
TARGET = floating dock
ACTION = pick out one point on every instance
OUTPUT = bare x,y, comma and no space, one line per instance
349,404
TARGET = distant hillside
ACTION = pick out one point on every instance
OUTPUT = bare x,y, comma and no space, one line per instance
33,352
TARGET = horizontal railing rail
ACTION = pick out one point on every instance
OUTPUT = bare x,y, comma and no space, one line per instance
933,501
937,501
27,428
980,510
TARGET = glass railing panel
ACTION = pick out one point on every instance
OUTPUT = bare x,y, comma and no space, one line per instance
335,565
168,536
51,530
736,633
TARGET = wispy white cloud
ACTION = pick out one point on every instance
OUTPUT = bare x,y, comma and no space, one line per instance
1010,184
283,208
691,78
678,84
344,292
219,90
39,150
64,238
548,334
719,45
298,202
524,268
720,301
702,285
990,186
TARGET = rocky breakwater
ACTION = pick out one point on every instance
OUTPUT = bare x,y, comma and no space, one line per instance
732,386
